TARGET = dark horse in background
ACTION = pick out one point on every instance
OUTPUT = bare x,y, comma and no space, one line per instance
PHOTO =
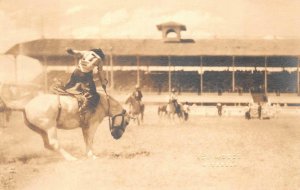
162,110
136,109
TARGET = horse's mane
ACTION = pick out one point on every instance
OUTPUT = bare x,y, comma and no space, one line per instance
129,98
102,95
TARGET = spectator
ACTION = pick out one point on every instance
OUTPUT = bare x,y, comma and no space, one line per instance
219,92
219,107
259,110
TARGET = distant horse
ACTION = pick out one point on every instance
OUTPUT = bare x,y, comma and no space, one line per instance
171,110
46,113
162,110
136,109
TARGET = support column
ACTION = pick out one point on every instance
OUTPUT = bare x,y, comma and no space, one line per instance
201,75
112,84
233,73
266,76
15,69
170,75
45,65
138,70
298,77
105,67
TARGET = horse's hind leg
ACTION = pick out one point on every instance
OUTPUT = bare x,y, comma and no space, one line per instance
50,139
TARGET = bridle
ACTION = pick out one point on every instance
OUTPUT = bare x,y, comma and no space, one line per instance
112,118
112,121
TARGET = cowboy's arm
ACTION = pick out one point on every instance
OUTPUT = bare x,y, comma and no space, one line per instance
75,53
72,82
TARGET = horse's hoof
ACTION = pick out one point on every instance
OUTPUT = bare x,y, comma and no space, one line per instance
90,155
93,157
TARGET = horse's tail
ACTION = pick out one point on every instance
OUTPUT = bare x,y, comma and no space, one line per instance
13,107
9,108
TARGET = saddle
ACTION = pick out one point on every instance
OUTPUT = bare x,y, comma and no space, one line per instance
82,98
58,90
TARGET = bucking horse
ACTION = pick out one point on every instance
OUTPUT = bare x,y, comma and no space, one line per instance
46,113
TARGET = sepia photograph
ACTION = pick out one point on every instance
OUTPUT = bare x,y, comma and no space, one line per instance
147,94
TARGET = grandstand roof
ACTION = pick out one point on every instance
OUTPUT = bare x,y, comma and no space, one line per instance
151,47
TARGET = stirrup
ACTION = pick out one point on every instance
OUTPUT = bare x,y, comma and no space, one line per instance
82,121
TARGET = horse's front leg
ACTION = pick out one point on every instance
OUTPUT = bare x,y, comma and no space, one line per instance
51,142
88,135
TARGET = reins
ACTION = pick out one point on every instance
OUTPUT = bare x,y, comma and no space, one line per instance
112,118
108,110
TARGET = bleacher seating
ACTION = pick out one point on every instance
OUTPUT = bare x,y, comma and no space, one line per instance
213,81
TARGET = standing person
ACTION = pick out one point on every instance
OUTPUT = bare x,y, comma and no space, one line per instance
219,107
259,109
83,74
186,110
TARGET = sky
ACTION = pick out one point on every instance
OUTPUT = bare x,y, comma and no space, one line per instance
24,20
31,19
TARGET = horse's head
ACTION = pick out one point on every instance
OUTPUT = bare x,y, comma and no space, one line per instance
118,124
119,118
129,99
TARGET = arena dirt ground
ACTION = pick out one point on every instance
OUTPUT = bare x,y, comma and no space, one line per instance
203,153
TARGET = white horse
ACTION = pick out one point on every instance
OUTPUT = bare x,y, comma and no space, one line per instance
46,113
171,110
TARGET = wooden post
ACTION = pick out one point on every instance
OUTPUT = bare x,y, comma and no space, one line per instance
45,65
266,76
201,75
233,73
298,77
15,69
170,75
106,68
112,84
138,70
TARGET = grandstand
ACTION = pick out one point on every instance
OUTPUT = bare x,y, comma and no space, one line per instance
218,66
